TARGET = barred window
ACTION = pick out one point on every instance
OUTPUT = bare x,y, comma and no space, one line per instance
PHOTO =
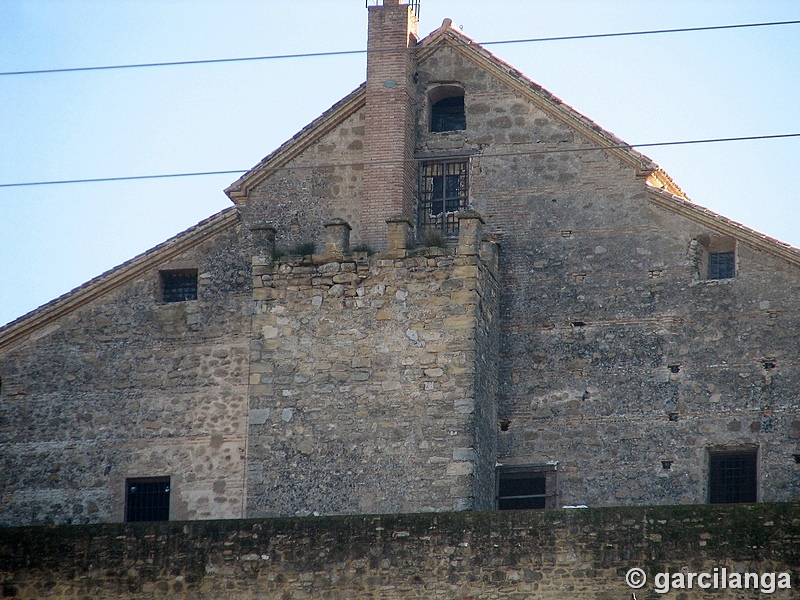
721,265
716,257
178,286
732,477
443,193
147,499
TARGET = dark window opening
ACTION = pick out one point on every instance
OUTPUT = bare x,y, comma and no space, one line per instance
443,193
448,115
147,499
721,265
666,465
733,477
522,492
178,286
526,488
504,424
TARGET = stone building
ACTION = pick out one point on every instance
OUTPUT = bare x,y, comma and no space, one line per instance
449,292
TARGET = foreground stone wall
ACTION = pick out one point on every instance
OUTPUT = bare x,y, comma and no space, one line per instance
581,554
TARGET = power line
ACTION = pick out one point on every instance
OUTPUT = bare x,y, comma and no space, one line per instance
353,164
632,33
352,52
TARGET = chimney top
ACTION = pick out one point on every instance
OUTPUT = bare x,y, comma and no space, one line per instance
414,4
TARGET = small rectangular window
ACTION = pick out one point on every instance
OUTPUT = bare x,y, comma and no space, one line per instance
721,265
178,286
733,477
520,488
443,193
147,499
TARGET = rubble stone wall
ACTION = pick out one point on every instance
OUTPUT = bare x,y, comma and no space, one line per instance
129,386
581,554
603,296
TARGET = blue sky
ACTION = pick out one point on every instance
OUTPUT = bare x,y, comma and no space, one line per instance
645,89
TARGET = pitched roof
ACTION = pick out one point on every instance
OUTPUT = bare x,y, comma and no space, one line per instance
716,222
44,315
663,191
544,100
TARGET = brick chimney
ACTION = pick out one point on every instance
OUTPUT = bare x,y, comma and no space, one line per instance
389,171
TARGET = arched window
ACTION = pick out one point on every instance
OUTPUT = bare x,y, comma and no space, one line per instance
447,109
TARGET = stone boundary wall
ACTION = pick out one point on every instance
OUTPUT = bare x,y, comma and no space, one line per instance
547,555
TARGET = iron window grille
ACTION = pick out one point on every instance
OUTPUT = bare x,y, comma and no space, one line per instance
732,477
443,193
721,265
520,488
178,286
147,499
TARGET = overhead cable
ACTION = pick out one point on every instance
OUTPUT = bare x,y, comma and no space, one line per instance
351,52
362,163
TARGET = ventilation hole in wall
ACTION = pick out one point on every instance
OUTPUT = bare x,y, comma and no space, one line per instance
504,424
768,364
578,324
674,368
666,465
554,200
796,458
673,416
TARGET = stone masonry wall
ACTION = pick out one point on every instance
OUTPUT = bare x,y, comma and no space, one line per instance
665,367
129,386
363,394
580,554
601,300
